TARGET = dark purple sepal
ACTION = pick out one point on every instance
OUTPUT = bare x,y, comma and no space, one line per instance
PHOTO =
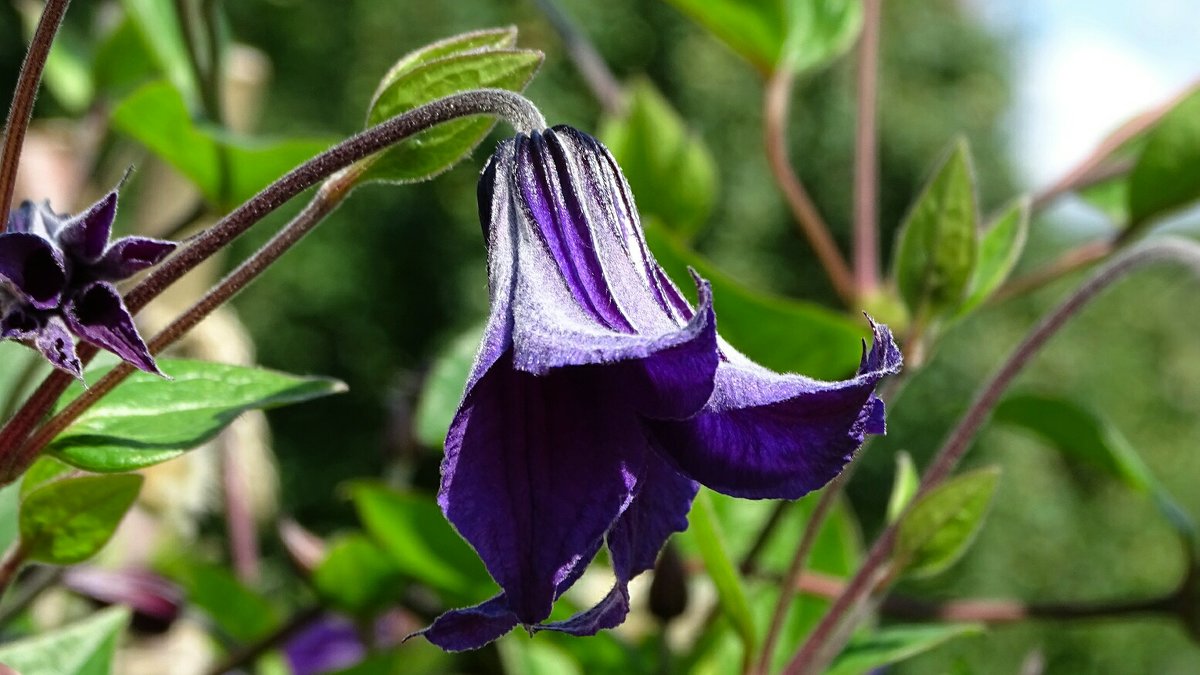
85,236
129,255
34,267
58,346
470,627
98,315
610,612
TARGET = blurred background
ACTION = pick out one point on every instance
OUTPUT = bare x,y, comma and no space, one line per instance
397,274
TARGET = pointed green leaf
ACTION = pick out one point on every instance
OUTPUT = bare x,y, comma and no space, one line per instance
936,249
44,470
801,33
1166,176
239,612
780,333
942,524
161,32
999,250
706,533
147,419
83,648
69,520
412,530
472,61
1084,434
893,644
904,486
122,61
156,116
356,576
670,170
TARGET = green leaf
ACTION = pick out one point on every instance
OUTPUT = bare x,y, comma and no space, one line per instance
999,250
411,529
470,61
731,594
156,116
443,387
904,486
240,613
161,33
1085,435
356,576
670,170
802,34
519,654
894,644
68,521
122,60
10,504
147,419
1166,176
936,249
44,470
780,333
83,648
943,523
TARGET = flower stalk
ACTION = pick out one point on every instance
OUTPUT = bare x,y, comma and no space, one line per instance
866,155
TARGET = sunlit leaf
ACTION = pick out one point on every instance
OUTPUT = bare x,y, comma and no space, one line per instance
237,611
82,648
472,61
937,243
69,520
904,486
1000,248
941,525
356,576
893,644
421,543
1166,176
670,170
122,61
44,470
160,30
156,116
530,657
147,419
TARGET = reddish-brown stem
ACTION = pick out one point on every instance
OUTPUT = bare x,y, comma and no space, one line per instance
829,635
587,60
10,564
866,155
1070,261
776,101
23,97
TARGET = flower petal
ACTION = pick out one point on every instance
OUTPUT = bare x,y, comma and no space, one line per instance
33,266
769,436
659,510
85,235
536,471
97,314
471,627
58,346
129,255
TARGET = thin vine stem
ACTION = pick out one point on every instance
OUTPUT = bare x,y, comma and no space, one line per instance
512,107
776,101
25,94
828,637
591,66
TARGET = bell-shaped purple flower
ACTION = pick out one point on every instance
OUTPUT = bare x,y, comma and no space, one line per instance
600,398
56,282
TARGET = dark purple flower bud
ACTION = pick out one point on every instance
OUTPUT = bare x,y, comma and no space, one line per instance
600,398
55,282
669,591
154,600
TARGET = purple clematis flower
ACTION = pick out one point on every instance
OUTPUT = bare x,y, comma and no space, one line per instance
56,274
600,398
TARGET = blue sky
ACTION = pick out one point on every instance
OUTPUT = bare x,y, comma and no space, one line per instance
1083,67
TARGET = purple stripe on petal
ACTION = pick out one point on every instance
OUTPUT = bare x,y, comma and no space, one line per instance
98,315
34,267
58,346
769,436
85,236
129,255
471,627
536,471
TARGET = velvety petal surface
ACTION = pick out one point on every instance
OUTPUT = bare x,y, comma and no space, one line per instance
58,346
129,255
34,267
536,471
97,314
764,435
471,627
85,236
